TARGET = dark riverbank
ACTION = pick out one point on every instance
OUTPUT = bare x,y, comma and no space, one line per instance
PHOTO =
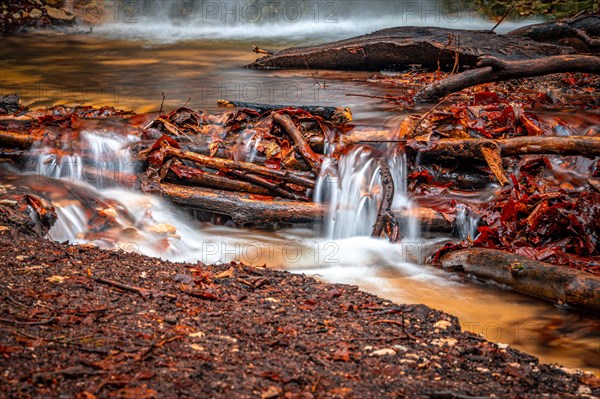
231,331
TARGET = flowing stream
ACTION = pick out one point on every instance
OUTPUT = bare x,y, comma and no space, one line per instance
128,63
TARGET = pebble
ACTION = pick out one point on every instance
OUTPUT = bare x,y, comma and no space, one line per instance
442,324
171,319
384,352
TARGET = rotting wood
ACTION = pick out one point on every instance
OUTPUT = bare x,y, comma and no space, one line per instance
403,46
252,209
228,164
558,284
333,114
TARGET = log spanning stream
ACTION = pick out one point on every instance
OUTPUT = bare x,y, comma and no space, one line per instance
96,70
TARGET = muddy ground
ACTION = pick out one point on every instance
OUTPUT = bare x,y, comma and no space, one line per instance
81,322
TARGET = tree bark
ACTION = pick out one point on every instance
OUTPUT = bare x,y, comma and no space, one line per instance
493,69
16,140
558,284
404,46
228,165
243,208
248,208
337,115
452,149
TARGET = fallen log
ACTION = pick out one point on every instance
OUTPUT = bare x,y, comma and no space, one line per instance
574,32
251,209
243,208
212,180
337,115
300,143
452,149
492,69
403,46
16,140
558,284
227,165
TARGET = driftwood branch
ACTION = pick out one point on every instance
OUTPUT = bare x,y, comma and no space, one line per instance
493,69
386,220
248,209
301,145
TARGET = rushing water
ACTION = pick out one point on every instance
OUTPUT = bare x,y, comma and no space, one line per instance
129,64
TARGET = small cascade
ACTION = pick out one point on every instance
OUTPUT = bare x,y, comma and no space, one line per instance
466,222
247,146
98,150
352,189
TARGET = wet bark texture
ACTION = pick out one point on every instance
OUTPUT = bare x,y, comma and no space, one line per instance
559,284
403,46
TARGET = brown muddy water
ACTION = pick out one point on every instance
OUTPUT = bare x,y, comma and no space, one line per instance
96,69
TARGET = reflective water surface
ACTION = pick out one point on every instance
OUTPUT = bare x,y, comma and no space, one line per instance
109,67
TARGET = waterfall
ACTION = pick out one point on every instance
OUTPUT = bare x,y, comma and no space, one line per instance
352,189
466,223
308,21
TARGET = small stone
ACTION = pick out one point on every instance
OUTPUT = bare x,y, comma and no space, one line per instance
35,13
384,352
198,334
56,279
442,324
7,202
271,392
584,390
171,319
197,347
502,346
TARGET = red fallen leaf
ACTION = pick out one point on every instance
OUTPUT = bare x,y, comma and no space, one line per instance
213,147
141,392
164,139
486,97
530,125
423,176
342,353
569,79
273,163
543,98
528,252
185,172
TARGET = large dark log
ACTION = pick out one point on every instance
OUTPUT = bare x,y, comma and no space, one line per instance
247,209
243,208
495,70
16,140
403,46
452,149
577,32
559,284
337,115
